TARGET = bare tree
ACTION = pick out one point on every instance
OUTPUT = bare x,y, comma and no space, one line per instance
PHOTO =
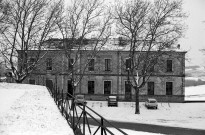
84,25
4,8
28,24
150,28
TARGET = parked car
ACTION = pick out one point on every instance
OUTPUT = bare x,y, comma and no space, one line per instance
112,101
80,99
151,103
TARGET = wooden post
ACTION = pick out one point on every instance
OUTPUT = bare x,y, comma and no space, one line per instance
102,126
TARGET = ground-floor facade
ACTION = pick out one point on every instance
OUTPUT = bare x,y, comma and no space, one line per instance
99,87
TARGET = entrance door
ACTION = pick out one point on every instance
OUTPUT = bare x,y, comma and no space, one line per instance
49,84
128,94
70,88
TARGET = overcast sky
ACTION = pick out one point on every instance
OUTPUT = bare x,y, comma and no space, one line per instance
195,35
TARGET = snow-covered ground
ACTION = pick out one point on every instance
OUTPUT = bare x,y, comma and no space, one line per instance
29,110
186,115
195,93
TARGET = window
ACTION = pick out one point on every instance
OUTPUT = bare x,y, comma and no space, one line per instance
150,88
91,87
32,81
169,65
107,87
151,68
128,90
49,84
169,87
107,64
128,63
70,64
91,64
48,64
31,62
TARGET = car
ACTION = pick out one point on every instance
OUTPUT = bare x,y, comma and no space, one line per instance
112,101
80,100
151,103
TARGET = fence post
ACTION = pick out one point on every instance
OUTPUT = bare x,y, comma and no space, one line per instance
62,109
84,113
73,107
102,126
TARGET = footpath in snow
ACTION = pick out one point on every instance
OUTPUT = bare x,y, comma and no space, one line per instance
29,110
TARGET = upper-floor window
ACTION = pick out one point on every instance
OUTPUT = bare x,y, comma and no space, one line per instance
150,88
169,65
49,64
107,64
91,63
128,64
151,68
31,63
91,87
70,64
169,88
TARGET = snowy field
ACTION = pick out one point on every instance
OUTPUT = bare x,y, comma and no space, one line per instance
29,110
195,93
186,115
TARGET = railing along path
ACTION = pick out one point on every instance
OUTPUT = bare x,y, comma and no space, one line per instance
77,116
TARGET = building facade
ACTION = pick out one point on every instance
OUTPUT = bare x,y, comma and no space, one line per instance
106,75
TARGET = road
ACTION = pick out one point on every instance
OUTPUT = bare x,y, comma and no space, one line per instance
153,128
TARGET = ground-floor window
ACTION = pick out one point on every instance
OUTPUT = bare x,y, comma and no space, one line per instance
91,87
31,81
107,87
70,88
169,87
150,88
49,84
128,88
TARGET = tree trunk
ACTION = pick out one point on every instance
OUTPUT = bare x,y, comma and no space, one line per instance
137,110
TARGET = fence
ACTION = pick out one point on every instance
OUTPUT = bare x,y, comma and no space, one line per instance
80,116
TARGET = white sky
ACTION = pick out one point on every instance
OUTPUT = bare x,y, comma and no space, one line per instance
194,39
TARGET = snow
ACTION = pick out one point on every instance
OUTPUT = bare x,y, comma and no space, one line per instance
185,115
115,132
192,78
29,109
195,93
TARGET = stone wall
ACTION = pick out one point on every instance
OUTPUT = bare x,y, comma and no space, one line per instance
117,75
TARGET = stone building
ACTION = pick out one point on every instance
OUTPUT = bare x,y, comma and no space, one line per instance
107,75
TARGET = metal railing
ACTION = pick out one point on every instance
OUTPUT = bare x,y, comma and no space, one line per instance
80,116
